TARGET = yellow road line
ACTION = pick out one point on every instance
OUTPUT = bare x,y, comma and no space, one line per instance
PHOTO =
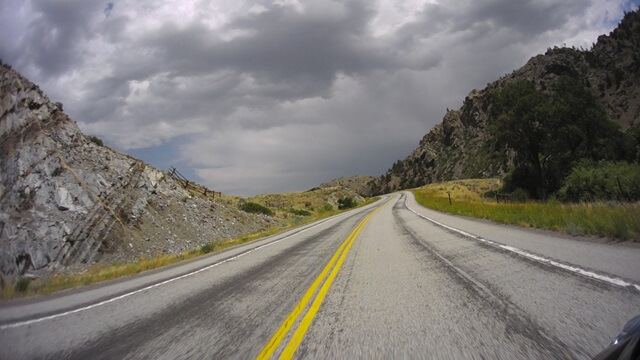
282,331
298,336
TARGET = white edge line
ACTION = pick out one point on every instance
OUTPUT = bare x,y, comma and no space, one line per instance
54,316
523,253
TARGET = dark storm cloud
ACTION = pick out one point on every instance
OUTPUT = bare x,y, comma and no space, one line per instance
53,38
526,17
468,21
279,96
295,55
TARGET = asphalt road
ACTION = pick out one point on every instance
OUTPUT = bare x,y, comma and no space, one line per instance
388,280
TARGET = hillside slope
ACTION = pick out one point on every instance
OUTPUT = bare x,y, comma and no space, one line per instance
361,185
462,147
67,202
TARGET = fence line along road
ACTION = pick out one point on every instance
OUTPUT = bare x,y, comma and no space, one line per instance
191,185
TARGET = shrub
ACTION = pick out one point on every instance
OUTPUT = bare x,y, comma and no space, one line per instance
326,208
603,180
300,212
207,248
254,208
96,140
23,284
519,195
346,202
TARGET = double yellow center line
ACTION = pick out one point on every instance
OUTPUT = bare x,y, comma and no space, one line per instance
298,335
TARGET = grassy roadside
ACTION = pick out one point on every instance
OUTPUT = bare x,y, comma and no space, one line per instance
611,219
102,272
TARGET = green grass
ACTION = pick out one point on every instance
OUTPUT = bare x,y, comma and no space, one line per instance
614,220
102,272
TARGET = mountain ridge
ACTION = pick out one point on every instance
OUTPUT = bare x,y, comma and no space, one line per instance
461,146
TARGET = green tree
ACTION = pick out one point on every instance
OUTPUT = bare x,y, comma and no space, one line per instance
550,132
520,116
579,129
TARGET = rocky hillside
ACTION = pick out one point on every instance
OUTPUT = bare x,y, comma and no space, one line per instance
360,185
67,202
462,147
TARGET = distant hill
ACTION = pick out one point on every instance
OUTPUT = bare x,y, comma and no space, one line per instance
462,145
361,185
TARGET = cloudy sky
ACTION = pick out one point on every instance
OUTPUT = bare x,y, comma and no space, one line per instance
251,97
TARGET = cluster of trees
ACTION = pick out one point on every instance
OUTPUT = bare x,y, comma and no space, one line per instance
553,131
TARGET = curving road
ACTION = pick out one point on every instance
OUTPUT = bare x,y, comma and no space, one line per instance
392,279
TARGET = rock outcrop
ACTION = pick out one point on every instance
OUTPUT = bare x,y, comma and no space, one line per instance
67,202
462,146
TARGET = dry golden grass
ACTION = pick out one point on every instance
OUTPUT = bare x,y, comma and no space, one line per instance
614,219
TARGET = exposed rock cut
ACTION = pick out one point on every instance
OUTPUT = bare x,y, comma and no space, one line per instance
67,202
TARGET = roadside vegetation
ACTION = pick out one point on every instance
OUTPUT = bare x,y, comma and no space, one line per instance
96,140
565,147
477,198
573,169
103,272
300,212
254,208
347,202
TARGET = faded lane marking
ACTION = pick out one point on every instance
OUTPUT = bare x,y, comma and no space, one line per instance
298,335
571,268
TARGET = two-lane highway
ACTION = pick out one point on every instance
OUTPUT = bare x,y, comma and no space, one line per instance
391,279
225,305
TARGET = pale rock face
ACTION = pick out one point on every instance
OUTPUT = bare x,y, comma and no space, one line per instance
66,203
64,200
